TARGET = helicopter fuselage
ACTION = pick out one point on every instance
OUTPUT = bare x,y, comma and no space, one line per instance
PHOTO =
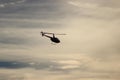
54,39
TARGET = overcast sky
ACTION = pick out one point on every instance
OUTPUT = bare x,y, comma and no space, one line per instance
89,51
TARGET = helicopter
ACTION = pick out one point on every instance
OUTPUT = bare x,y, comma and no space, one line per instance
52,38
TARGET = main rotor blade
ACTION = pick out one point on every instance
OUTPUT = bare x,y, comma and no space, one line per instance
47,33
53,33
60,34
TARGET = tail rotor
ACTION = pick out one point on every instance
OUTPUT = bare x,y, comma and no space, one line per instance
42,33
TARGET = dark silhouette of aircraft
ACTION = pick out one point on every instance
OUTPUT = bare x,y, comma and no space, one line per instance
52,38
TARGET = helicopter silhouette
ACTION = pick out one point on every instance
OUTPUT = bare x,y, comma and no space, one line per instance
52,38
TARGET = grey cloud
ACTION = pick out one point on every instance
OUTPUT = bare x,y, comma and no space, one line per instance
17,38
42,64
12,64
18,64
37,9
5,3
32,14
8,6
51,65
54,67
9,1
12,40
29,24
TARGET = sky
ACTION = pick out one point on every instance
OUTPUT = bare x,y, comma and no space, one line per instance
89,51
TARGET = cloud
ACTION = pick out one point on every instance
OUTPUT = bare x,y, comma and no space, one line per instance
87,68
12,65
27,23
10,39
95,9
110,3
52,65
6,3
69,64
34,10
82,5
43,64
84,64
